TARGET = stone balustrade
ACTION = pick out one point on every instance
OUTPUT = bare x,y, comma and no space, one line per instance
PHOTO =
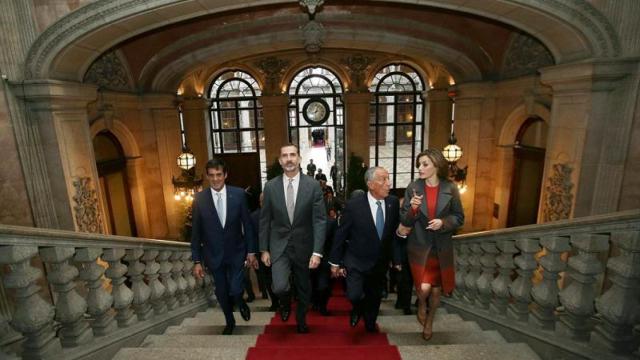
98,290
571,285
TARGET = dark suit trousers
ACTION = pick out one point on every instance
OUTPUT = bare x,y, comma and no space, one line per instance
229,286
364,290
281,269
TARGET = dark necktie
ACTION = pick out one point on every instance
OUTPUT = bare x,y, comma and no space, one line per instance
379,219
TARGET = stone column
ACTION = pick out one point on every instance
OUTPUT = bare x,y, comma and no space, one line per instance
274,112
165,275
141,291
578,297
500,285
589,133
471,280
357,107
438,127
33,316
122,295
520,289
195,113
151,272
161,135
99,300
619,306
70,307
462,266
488,263
59,110
545,294
473,108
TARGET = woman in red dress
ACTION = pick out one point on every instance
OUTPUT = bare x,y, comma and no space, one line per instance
433,213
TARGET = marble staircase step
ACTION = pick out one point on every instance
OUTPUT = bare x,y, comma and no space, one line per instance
507,351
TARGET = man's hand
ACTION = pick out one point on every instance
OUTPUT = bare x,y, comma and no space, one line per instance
266,258
252,262
198,272
435,224
398,267
314,261
335,269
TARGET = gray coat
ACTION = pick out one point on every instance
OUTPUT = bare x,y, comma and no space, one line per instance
307,233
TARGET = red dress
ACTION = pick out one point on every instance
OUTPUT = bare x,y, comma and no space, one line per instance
430,272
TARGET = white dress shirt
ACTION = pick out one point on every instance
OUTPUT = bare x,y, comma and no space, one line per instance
223,193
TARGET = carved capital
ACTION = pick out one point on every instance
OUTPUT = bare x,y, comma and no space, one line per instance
558,194
313,34
86,210
357,65
272,68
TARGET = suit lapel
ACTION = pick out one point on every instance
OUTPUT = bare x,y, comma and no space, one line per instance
209,203
302,189
444,196
420,191
387,213
369,217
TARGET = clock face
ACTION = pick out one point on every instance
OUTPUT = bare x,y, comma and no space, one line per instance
316,111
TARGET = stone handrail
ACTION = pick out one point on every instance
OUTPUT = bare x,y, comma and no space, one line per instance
586,301
102,288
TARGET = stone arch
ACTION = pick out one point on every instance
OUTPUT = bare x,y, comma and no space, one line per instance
291,72
207,80
585,32
135,170
504,153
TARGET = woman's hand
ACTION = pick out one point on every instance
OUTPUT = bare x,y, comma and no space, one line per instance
416,200
435,224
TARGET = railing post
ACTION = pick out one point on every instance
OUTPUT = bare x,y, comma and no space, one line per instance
462,266
209,289
141,291
70,306
578,297
33,316
122,295
619,306
99,301
151,272
474,272
500,285
520,289
188,276
170,285
178,265
545,294
488,263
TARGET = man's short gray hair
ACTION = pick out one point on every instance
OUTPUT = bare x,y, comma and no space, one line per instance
368,175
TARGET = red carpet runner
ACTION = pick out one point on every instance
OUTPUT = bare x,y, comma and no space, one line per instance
330,338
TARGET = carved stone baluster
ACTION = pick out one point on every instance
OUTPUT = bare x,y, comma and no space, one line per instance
188,276
578,297
70,306
151,272
520,289
500,285
122,295
488,263
471,279
181,292
170,286
141,292
545,294
99,300
462,266
619,306
33,316
209,289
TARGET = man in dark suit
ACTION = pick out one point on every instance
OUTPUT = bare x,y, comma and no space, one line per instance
264,272
320,176
292,232
223,240
363,246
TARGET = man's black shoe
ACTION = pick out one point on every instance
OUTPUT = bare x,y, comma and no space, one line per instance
407,311
284,314
371,328
354,318
250,298
244,311
228,330
302,329
273,307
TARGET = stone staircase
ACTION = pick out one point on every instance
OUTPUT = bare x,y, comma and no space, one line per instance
453,338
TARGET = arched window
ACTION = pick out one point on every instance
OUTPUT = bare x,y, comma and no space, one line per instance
236,116
316,121
396,122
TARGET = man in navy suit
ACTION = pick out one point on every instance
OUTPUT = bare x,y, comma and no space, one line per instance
224,240
364,244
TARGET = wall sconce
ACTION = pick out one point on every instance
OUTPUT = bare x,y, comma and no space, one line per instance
187,184
452,152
